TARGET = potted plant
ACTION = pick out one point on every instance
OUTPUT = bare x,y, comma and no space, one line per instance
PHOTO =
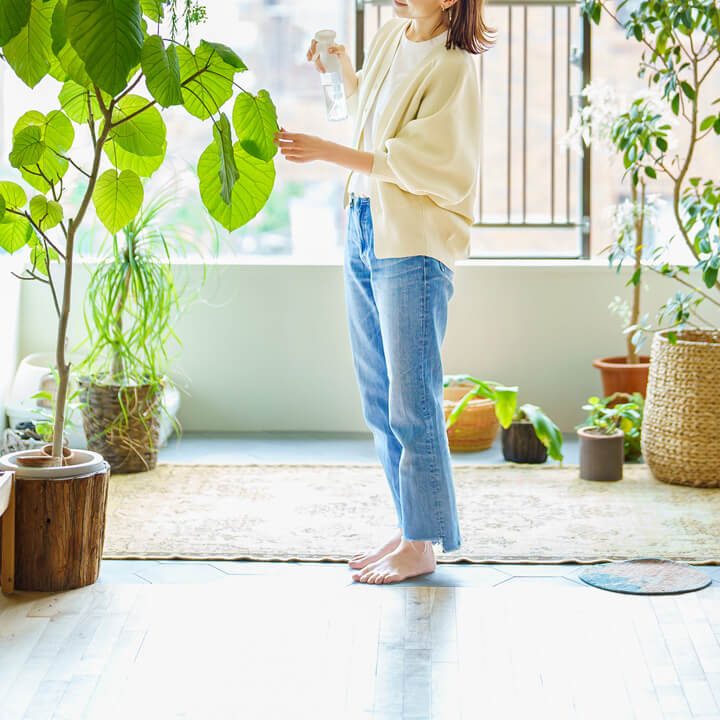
528,433
608,122
602,438
101,83
124,375
629,408
681,57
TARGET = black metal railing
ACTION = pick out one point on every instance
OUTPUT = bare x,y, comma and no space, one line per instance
561,195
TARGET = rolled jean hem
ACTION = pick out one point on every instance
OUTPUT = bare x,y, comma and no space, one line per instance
446,545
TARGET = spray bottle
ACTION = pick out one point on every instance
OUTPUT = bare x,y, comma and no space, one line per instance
331,79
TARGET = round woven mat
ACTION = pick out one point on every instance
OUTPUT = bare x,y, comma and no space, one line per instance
646,576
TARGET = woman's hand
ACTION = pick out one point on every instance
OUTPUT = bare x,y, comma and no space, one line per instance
350,80
338,50
301,148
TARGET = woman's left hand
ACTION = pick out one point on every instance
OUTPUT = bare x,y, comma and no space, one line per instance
301,148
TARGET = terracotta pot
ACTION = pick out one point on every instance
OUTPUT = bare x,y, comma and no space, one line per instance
601,455
520,443
42,457
476,427
618,376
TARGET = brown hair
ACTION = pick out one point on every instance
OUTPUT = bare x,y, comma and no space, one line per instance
467,29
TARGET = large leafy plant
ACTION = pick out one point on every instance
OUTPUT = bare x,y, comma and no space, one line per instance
115,71
599,122
681,51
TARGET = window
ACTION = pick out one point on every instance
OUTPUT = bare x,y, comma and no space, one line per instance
304,218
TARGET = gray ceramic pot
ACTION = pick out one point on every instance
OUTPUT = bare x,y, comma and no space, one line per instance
601,455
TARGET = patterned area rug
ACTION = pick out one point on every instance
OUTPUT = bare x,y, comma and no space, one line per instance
508,513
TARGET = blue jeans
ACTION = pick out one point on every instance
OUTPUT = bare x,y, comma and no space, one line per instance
397,314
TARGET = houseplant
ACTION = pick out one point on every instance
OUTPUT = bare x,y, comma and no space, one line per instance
528,433
125,371
628,408
601,122
681,57
602,437
102,52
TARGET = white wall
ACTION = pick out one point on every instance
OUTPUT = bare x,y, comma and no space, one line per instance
270,351
9,321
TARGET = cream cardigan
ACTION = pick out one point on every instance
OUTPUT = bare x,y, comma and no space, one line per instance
424,179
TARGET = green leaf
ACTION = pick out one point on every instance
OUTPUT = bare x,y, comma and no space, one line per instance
662,144
59,132
56,70
675,103
143,133
142,165
15,231
74,101
58,31
39,260
67,57
45,214
687,89
226,54
28,147
250,192
162,72
29,51
153,9
255,122
14,15
117,198
211,84
107,35
650,172
228,170
57,137
14,195
708,122
710,276
716,126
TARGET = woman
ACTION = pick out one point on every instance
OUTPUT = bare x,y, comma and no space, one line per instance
411,193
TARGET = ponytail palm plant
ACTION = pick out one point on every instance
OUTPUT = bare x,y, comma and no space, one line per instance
131,303
114,69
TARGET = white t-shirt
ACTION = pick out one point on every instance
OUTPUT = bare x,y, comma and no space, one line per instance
406,59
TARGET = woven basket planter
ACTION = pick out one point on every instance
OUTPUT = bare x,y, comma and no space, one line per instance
680,438
132,444
476,427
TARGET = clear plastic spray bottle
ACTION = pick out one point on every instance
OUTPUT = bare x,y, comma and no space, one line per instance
331,79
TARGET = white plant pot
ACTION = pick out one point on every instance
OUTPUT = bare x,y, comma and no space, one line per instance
91,464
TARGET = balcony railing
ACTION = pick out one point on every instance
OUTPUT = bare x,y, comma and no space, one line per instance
545,187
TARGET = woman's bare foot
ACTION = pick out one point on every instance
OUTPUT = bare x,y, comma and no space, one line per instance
409,559
361,560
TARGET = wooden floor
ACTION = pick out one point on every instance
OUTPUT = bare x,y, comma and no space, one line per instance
272,640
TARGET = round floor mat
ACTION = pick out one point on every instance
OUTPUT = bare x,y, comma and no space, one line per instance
646,576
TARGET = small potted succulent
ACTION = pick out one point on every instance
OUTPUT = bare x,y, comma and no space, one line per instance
528,434
602,436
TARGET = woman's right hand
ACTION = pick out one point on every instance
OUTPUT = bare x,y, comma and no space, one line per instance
339,50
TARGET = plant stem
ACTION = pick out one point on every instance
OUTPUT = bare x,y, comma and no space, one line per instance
62,367
632,355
